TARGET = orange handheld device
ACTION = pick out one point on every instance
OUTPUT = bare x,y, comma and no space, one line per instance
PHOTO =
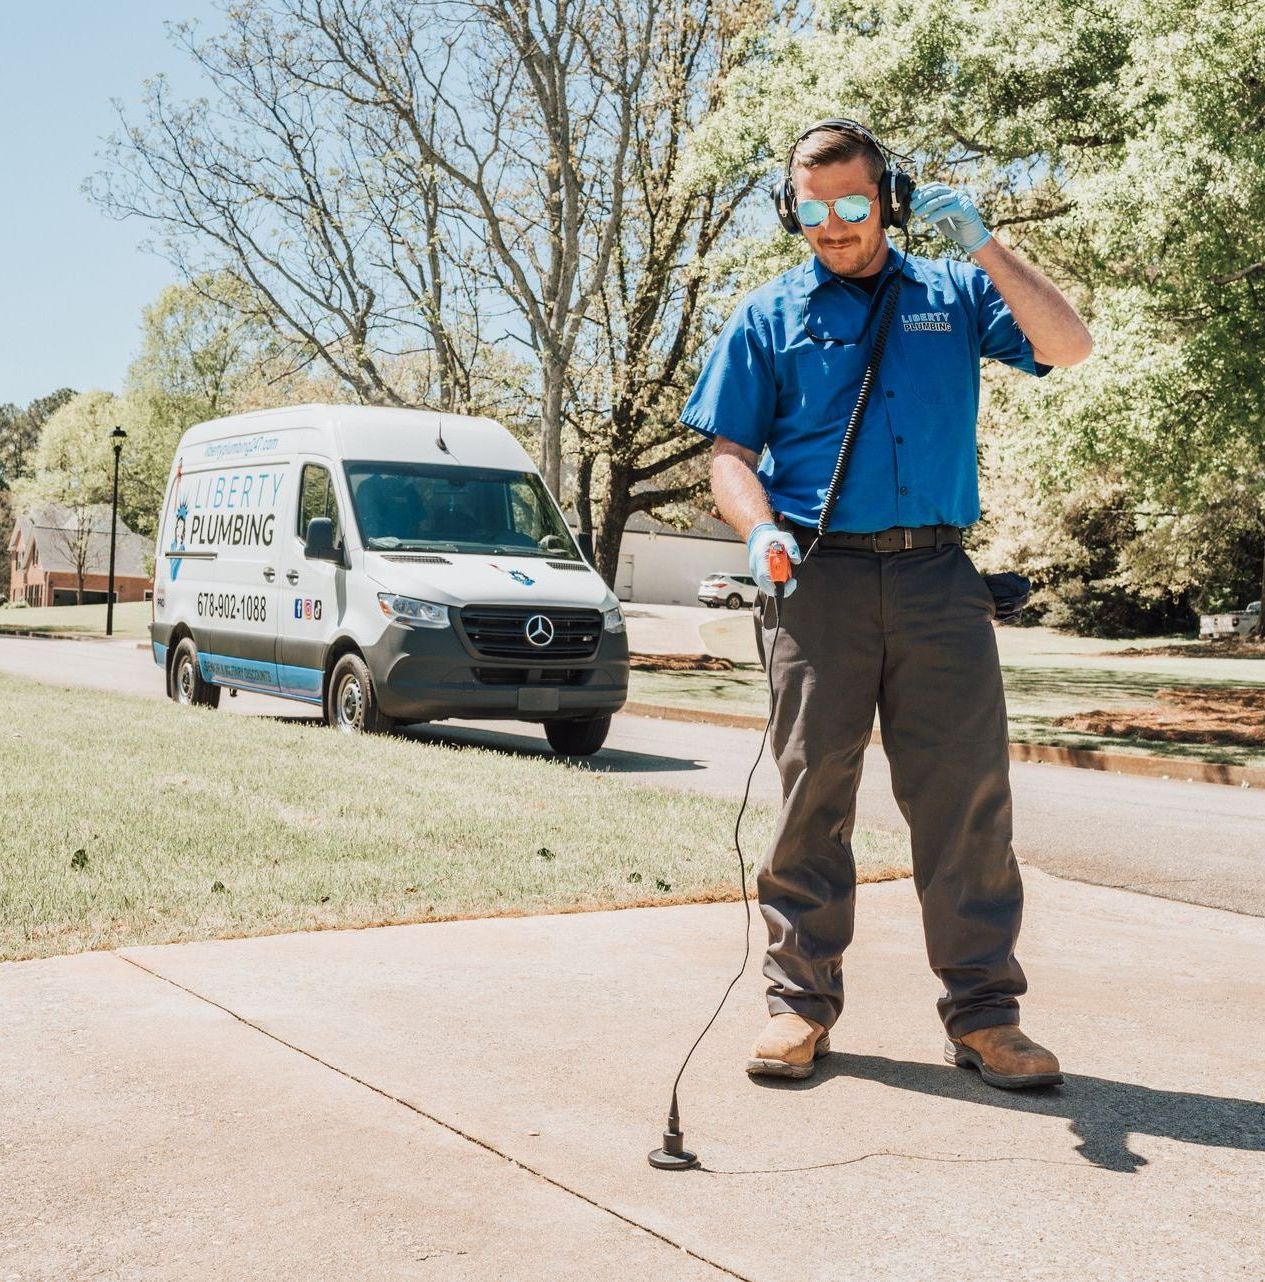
779,565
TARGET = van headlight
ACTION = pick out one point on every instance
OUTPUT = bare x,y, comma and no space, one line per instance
613,620
408,609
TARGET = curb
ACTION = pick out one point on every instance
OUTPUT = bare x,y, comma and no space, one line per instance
1121,763
32,634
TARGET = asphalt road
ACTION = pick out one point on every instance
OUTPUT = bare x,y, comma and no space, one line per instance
1195,842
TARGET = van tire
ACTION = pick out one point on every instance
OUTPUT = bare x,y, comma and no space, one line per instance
188,686
577,738
734,601
351,703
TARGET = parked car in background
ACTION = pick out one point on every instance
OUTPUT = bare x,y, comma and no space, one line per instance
732,590
1235,623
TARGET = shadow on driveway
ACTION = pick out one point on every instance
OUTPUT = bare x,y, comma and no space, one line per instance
1102,1113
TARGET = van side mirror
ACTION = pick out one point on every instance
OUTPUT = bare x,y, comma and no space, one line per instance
584,541
319,544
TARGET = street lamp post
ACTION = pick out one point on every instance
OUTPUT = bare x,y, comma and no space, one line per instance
118,436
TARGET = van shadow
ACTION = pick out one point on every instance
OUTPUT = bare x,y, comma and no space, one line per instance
606,761
1100,1112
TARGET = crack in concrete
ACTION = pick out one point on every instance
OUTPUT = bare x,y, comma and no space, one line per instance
887,1152
486,1145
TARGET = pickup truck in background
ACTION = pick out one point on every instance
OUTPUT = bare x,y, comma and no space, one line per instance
1237,623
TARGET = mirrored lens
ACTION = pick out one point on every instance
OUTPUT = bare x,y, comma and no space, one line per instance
853,209
812,213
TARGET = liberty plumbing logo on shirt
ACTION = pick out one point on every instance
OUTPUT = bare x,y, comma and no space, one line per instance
934,322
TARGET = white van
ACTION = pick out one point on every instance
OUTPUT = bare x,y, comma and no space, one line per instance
388,565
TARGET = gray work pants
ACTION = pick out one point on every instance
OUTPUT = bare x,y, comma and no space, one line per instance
911,633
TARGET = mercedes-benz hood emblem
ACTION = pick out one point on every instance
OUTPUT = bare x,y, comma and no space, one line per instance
539,630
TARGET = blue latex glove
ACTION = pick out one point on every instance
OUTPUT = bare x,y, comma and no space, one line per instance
953,214
759,541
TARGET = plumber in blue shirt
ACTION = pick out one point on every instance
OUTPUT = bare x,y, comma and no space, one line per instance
885,609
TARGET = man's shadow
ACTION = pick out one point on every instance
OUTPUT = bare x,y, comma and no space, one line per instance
1100,1112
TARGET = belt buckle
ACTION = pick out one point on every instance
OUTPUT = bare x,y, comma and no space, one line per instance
881,540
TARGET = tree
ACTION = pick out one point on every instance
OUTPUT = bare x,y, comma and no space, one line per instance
392,179
19,433
1119,147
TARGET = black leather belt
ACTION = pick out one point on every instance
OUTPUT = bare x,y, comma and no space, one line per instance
900,538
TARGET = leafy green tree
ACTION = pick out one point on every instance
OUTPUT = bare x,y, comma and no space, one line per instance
19,434
1122,148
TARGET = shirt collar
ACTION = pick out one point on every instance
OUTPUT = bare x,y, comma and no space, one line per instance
816,273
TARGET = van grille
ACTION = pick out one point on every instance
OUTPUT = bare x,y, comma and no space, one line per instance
530,676
581,566
499,631
423,558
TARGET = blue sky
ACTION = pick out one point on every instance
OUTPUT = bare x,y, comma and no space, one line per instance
72,281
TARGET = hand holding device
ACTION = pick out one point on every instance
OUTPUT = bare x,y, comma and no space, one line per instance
953,214
763,543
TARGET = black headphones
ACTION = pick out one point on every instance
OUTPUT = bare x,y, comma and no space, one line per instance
895,187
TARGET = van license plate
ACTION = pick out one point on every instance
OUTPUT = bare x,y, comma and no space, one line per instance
538,701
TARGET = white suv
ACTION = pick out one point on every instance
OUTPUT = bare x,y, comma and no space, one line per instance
732,590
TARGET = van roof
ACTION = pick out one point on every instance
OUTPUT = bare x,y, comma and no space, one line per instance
374,432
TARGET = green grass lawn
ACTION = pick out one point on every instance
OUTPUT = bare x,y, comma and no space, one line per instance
1047,675
133,821
131,619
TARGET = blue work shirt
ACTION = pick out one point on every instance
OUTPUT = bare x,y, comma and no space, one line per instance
771,386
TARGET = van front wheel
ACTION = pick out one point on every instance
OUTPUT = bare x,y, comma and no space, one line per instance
351,703
577,738
188,686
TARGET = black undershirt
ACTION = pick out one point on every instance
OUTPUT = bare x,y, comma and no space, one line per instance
868,283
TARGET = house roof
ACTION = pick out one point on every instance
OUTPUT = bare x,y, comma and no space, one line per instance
55,531
702,526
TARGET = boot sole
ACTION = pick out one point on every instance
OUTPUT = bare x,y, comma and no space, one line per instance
780,1068
964,1057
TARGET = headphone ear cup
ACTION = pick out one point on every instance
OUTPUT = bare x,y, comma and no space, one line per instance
783,195
903,189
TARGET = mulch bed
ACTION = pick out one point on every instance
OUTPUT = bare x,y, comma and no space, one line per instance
1221,648
1194,714
680,663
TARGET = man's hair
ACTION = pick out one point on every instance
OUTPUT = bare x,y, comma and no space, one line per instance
831,146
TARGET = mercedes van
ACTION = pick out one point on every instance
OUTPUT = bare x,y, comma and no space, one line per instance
387,565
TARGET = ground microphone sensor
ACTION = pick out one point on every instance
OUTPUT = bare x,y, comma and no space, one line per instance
674,1156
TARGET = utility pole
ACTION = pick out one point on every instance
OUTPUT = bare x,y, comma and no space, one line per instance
118,436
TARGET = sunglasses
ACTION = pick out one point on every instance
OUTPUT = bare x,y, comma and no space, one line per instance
852,209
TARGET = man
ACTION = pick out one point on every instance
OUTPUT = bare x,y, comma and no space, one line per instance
885,609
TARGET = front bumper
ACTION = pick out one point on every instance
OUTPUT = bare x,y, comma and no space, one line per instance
430,674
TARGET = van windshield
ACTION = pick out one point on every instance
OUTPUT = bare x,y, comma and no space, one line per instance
440,508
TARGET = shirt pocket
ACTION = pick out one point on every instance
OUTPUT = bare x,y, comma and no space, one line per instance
936,365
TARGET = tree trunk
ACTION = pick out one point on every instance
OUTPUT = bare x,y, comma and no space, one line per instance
552,376
584,493
610,532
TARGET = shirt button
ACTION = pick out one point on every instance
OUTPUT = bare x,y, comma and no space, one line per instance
904,489
891,393
900,440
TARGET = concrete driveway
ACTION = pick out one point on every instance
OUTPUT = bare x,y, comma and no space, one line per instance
475,1100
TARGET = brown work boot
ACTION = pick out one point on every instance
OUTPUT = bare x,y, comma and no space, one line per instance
789,1047
1005,1057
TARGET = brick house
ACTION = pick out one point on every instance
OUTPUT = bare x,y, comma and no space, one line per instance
52,546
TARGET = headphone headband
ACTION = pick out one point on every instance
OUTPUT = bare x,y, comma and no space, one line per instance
839,125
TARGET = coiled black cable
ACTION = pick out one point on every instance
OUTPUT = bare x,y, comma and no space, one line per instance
858,410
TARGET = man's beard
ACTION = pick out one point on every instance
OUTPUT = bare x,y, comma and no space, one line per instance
849,258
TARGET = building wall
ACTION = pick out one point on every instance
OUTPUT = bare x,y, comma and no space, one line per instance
666,569
37,588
